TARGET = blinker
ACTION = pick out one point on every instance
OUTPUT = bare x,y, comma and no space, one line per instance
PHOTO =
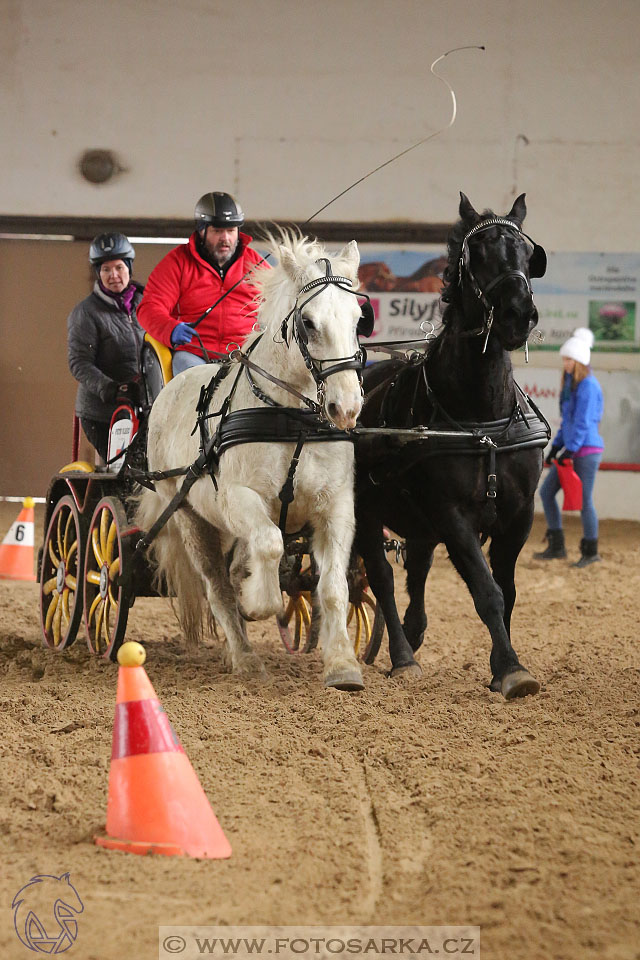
301,331
366,321
538,261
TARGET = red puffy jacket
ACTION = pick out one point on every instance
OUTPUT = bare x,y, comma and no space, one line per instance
183,285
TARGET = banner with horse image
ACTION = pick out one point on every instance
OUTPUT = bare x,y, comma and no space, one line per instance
405,286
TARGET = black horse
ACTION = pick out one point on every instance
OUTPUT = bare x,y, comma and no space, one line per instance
478,481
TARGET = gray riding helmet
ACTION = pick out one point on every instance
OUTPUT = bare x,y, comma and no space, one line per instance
111,246
218,209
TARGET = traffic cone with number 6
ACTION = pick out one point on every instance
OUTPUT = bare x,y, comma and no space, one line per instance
16,550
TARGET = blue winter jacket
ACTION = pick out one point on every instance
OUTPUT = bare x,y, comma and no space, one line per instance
581,411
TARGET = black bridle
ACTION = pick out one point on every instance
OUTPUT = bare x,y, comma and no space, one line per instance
355,361
537,268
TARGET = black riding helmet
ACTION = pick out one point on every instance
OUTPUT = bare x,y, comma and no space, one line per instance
217,209
110,246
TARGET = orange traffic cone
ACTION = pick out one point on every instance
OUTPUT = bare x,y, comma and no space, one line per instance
16,550
156,803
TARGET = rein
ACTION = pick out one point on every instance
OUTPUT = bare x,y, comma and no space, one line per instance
249,365
405,349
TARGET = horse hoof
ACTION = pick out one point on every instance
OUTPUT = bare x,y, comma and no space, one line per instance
520,683
407,670
250,665
345,678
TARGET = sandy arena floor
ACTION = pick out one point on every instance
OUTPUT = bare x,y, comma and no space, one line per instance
431,802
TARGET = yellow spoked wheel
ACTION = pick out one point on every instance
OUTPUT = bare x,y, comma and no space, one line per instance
365,623
295,624
108,582
61,575
299,624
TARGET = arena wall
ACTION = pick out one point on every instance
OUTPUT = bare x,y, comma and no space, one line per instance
285,105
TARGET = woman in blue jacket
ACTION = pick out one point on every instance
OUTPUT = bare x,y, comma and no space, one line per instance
578,439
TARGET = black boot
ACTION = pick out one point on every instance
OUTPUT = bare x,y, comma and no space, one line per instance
589,553
556,549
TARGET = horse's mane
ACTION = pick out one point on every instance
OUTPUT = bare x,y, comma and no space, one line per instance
276,289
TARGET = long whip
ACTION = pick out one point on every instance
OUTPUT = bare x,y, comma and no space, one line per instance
402,153
397,156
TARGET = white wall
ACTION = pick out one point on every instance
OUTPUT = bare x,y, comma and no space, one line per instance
616,496
285,103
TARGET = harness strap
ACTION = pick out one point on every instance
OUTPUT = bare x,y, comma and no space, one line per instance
208,443
398,348
518,431
517,413
206,396
535,408
492,478
146,477
275,425
194,472
385,401
286,493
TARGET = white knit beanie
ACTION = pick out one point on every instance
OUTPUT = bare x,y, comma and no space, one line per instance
578,346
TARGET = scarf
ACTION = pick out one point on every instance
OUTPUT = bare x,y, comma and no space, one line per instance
124,299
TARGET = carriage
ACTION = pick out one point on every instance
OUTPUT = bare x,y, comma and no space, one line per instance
90,572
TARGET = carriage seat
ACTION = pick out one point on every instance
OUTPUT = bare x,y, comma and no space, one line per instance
155,364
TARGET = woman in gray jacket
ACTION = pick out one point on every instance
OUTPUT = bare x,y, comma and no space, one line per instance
104,337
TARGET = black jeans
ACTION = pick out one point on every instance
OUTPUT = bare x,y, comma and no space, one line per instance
97,433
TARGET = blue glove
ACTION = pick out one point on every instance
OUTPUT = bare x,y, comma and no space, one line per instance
182,333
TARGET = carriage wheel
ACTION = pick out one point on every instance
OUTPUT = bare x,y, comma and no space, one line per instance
297,615
61,575
366,624
108,581
365,620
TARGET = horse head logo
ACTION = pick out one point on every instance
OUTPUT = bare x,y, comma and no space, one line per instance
44,913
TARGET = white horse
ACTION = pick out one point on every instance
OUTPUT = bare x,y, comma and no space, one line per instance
227,544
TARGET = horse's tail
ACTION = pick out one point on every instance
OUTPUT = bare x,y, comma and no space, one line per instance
173,572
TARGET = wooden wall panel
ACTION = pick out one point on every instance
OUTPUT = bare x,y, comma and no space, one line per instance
40,283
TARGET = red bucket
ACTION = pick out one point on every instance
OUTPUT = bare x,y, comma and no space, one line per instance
571,485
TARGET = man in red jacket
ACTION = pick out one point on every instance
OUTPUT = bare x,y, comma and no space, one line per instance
209,269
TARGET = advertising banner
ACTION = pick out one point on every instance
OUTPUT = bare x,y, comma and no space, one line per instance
405,286
596,290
